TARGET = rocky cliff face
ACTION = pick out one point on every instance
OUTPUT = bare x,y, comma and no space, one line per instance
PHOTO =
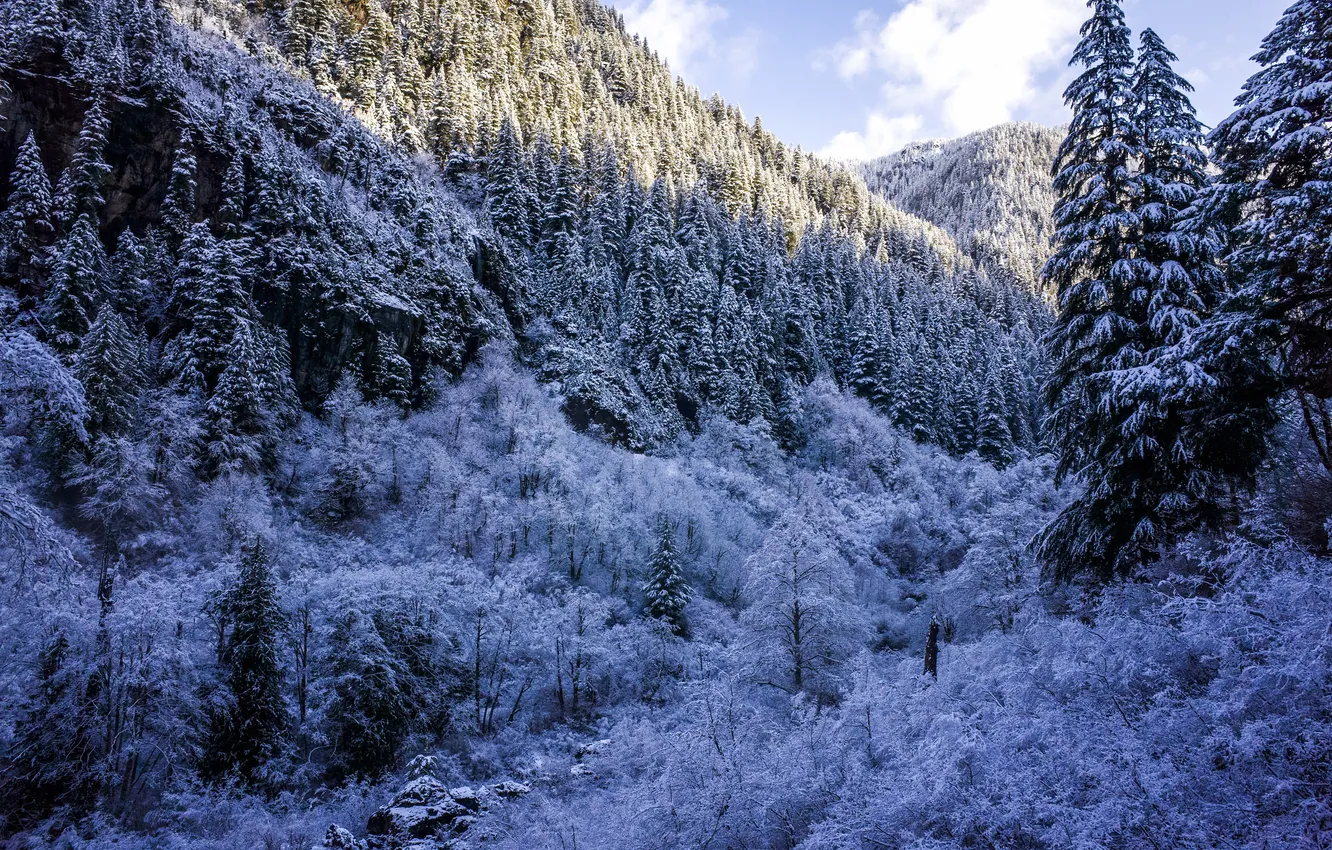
355,255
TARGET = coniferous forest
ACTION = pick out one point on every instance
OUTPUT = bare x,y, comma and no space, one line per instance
435,424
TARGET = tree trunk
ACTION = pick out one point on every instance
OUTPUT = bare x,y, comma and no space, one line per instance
932,650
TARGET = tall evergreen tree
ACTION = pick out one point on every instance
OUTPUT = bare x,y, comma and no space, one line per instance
1273,201
667,590
131,288
79,191
370,710
108,367
1097,277
28,226
78,277
994,440
50,761
236,423
247,731
508,196
208,302
178,208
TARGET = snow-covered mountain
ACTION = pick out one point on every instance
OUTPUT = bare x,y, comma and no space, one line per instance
991,191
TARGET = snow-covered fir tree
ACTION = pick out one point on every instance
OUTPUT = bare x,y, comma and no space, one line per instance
28,226
1270,201
1099,282
666,589
248,722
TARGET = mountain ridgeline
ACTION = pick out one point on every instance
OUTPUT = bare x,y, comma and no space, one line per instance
510,171
992,191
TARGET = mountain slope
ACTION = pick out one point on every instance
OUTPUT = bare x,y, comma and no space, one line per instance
991,191
440,76
650,307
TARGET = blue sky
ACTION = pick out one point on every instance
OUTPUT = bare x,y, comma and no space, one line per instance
860,78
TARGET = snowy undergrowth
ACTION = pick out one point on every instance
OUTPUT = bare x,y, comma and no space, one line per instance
1186,711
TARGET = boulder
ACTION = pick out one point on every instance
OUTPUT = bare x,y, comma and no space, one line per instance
423,809
510,790
428,814
338,838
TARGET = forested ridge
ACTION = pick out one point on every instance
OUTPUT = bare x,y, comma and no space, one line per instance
991,191
436,425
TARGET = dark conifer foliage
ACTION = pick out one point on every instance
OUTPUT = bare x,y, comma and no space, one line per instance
1271,207
667,590
247,723
29,225
1098,277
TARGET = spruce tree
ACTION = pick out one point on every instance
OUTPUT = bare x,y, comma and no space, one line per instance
51,757
508,197
1100,290
78,276
28,227
247,731
370,713
177,211
994,440
131,288
235,421
208,302
1272,201
79,191
108,367
667,590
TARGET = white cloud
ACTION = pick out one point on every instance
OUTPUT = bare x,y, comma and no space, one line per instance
683,31
953,66
882,135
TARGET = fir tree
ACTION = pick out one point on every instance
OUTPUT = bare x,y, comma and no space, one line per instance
27,225
247,732
79,191
236,424
508,198
78,275
131,288
108,367
370,712
667,590
994,440
1101,293
1272,200
51,759
177,211
208,302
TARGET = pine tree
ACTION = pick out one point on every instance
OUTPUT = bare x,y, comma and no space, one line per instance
78,277
177,211
1101,294
370,712
208,303
79,191
108,367
994,440
248,730
1272,199
667,590
560,206
236,424
51,759
131,288
508,198
27,225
